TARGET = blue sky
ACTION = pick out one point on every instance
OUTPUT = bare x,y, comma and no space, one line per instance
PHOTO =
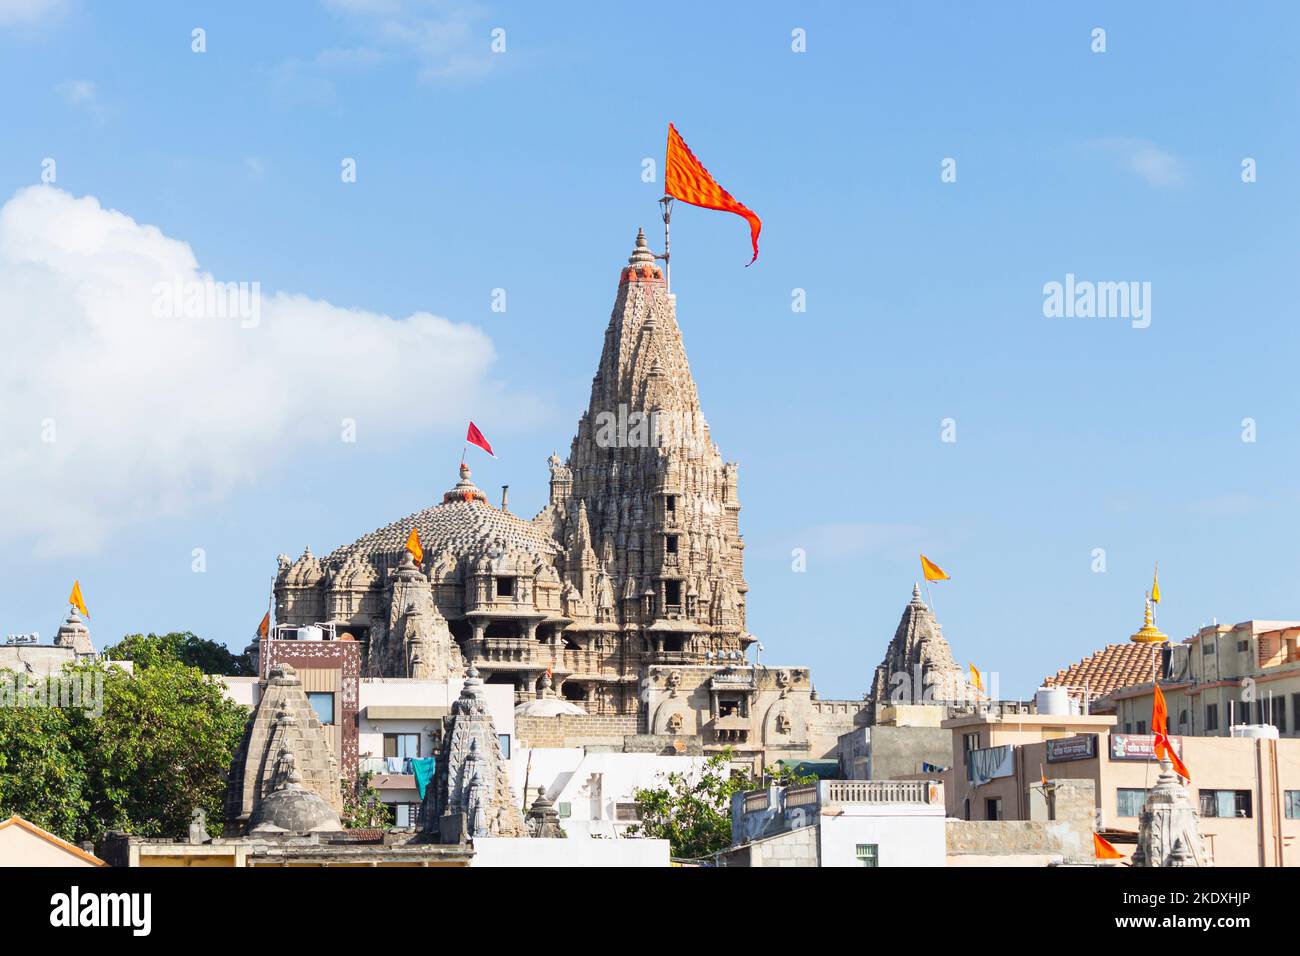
522,170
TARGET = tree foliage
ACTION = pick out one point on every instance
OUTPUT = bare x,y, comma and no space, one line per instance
140,758
692,811
365,809
180,647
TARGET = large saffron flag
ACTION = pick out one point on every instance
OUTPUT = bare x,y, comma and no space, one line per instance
1160,733
413,545
264,628
976,677
932,571
685,178
475,437
1103,849
76,600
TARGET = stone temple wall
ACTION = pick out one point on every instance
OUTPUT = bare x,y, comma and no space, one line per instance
575,730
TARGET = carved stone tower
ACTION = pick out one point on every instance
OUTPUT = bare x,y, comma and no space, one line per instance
645,506
918,657
1168,828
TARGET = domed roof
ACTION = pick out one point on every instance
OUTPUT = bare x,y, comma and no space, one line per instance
294,809
463,523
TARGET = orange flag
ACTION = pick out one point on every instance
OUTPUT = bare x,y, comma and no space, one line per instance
1103,850
76,600
413,545
264,628
1160,733
685,178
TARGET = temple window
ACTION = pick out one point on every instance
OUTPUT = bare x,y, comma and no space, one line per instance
670,544
505,587
673,593
670,505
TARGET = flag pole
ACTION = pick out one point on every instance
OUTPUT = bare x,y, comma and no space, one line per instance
667,202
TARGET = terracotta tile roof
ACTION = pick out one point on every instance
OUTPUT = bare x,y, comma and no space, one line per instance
1112,667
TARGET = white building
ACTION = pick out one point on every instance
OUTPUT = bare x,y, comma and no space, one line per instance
593,792
839,823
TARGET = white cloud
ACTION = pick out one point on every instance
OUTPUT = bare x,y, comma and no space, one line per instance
1156,166
448,40
77,92
154,416
29,11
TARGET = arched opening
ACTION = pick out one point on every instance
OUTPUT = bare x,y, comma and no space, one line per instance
574,691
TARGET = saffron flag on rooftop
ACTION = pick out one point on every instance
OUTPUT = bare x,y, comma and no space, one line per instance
475,437
76,600
686,179
1160,732
413,545
264,628
932,571
1103,849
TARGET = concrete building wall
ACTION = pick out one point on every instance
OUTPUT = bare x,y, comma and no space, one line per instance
902,836
22,844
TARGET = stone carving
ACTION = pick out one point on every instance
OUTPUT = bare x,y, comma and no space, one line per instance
1169,825
543,819
470,795
918,657
283,743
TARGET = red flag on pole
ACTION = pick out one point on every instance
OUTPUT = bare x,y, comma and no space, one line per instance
475,437
685,178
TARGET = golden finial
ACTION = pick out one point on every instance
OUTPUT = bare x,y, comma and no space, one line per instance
1149,634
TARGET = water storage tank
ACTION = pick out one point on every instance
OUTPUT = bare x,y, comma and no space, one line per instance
312,633
1053,700
1257,731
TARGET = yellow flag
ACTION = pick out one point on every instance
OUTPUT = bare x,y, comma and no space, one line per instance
413,545
76,600
932,571
976,677
1155,584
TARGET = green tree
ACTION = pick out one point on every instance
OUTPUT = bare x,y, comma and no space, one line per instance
180,647
154,746
692,811
365,809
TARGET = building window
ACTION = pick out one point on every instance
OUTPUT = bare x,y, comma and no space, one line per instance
1293,804
673,593
1142,727
970,742
1211,717
670,543
1225,803
993,808
1276,708
1129,801
406,814
868,854
1207,648
670,505
504,740
323,703
1243,711
401,745
1295,710
505,587
1243,646
627,812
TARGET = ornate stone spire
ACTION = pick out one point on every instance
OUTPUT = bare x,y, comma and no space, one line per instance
645,470
464,490
75,634
1169,826
470,795
916,659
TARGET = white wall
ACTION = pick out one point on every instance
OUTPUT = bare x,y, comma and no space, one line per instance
408,692
906,835
573,852
243,690
567,775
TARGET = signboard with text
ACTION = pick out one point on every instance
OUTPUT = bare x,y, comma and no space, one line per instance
1138,746
1081,747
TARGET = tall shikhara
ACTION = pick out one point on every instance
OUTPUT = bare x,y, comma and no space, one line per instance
645,508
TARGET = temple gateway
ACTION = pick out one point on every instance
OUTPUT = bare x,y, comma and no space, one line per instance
625,596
